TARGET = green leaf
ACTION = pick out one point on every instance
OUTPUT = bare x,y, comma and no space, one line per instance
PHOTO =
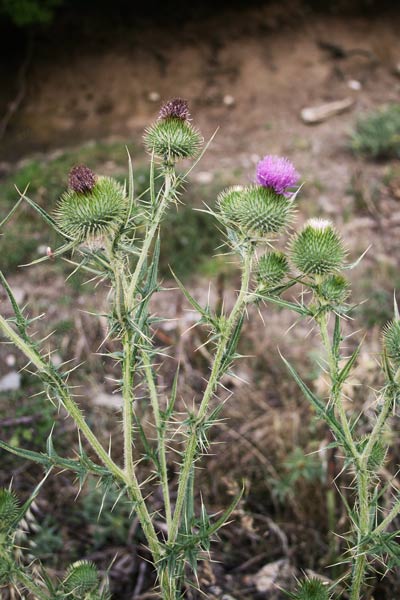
344,373
223,519
12,211
45,216
204,313
299,308
320,408
20,319
230,352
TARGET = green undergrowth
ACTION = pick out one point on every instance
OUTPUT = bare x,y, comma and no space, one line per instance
377,134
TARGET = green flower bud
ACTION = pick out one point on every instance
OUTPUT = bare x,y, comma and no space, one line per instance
391,341
272,268
334,289
99,212
82,577
317,249
9,506
255,209
312,589
173,139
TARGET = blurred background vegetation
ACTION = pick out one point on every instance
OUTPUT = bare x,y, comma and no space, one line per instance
80,81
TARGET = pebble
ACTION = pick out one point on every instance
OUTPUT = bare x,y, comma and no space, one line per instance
204,177
19,294
10,360
10,382
273,574
317,114
154,97
229,100
107,400
354,85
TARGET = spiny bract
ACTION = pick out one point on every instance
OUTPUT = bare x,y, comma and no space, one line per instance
9,506
82,577
272,268
334,289
391,340
255,210
312,589
317,249
173,139
99,212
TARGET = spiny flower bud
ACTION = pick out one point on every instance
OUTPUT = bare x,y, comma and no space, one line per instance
9,506
81,179
277,173
272,268
177,108
173,139
254,209
312,589
82,577
100,212
317,249
391,341
334,289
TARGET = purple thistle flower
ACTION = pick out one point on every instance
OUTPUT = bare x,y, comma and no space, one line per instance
177,108
277,173
81,179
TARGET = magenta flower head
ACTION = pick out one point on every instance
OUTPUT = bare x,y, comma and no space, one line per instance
177,108
81,179
277,173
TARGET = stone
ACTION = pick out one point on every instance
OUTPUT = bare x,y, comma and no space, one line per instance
317,114
10,382
273,575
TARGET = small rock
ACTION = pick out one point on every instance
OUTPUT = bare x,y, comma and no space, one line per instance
318,114
19,294
56,359
107,400
10,382
10,360
354,85
204,177
274,574
154,97
228,100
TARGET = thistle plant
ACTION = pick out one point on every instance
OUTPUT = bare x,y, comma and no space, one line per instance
114,236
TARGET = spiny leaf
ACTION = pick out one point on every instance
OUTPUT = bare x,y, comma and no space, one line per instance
322,411
343,374
299,308
230,351
49,220
204,313
12,211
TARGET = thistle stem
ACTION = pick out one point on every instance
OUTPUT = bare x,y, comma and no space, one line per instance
336,396
127,398
148,240
160,436
190,449
360,562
